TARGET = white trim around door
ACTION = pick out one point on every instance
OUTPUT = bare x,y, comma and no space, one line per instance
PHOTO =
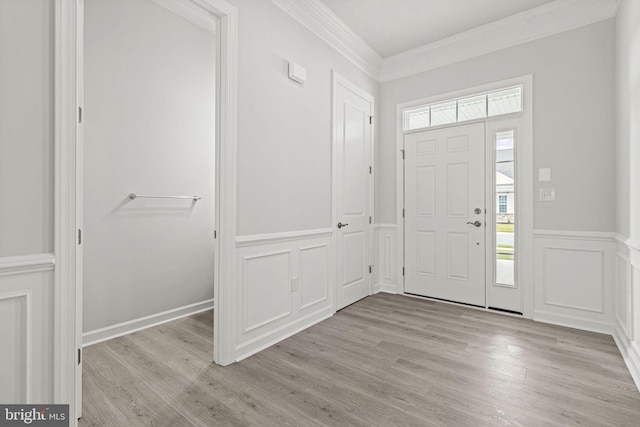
524,182
65,204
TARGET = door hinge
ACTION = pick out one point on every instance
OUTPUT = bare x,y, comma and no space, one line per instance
370,120
79,356
370,170
402,151
79,236
402,212
369,219
79,114
215,234
370,269
403,271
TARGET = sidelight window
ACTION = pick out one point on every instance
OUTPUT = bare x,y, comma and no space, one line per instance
505,209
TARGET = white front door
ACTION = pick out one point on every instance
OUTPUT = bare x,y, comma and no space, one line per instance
445,213
352,127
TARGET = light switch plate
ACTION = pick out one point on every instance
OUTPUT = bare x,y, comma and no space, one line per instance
547,194
544,174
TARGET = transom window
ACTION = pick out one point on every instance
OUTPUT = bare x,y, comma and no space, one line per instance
483,105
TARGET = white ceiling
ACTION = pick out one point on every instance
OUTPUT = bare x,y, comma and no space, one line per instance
394,26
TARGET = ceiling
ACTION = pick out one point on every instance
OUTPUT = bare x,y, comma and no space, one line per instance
394,26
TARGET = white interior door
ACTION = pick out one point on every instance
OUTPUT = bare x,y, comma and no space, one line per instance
445,213
352,127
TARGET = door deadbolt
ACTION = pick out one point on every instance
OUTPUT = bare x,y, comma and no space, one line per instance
477,211
476,223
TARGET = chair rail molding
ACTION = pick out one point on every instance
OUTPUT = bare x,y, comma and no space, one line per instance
26,264
281,237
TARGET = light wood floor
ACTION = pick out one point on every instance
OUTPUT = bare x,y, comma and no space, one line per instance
386,360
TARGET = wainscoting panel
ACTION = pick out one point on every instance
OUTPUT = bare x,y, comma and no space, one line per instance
574,279
15,355
265,288
385,259
287,285
26,325
626,332
313,275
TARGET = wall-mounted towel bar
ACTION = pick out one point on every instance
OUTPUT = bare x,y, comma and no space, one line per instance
141,196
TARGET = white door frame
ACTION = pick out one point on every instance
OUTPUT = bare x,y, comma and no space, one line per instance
337,79
524,178
68,195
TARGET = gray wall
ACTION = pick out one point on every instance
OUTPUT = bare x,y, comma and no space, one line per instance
574,127
284,131
26,127
149,128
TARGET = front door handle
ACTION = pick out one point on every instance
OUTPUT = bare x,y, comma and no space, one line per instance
476,223
340,225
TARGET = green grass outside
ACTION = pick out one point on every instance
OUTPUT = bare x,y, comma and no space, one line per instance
504,228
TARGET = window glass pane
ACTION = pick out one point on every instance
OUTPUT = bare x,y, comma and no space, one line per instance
502,203
472,108
505,208
442,114
416,118
505,101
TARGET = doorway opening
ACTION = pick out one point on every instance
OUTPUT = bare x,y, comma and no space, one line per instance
158,96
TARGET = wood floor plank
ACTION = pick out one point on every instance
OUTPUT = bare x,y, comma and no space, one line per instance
388,360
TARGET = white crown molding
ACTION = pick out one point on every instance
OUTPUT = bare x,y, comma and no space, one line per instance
320,20
551,18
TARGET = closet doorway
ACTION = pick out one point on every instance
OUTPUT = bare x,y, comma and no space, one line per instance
149,164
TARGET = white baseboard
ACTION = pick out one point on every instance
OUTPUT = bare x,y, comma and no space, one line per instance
630,354
573,322
110,332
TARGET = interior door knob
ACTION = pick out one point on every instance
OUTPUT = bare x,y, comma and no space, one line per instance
476,223
340,225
